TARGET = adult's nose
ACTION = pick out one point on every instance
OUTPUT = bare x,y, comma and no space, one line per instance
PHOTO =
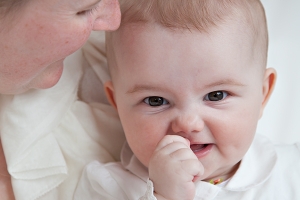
187,122
108,16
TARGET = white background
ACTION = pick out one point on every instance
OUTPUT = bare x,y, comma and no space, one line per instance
281,119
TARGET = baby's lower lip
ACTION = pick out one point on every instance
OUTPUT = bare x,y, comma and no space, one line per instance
201,150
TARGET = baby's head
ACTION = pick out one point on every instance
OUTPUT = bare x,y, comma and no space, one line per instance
247,17
193,68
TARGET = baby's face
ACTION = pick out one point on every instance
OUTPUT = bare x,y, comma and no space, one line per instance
204,87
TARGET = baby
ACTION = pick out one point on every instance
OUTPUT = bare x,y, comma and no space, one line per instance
189,81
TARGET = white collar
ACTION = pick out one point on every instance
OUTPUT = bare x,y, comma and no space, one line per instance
255,167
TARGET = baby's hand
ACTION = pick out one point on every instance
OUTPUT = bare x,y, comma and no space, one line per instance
173,168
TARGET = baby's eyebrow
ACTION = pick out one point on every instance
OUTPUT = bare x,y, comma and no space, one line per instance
225,82
140,88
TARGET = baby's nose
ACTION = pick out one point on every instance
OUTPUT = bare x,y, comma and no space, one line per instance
187,123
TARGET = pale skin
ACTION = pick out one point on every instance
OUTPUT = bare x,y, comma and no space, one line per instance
43,34
194,100
36,40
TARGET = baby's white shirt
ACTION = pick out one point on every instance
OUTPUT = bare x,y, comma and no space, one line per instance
260,171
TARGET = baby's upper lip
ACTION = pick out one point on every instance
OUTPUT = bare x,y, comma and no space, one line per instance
200,141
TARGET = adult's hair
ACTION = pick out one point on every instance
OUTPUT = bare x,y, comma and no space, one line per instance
9,11
8,7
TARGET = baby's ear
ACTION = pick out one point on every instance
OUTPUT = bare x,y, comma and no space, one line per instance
109,91
268,86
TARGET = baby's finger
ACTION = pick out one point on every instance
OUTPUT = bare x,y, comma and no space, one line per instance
194,168
169,149
168,139
183,154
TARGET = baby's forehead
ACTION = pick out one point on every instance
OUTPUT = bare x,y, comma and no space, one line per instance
153,37
131,32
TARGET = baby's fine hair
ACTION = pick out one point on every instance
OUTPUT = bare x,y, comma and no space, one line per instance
199,14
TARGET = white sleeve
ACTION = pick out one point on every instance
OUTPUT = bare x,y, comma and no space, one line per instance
98,183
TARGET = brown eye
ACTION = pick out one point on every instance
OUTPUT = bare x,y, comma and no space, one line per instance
215,96
155,101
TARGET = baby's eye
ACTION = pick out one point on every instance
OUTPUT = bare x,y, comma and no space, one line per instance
216,96
155,101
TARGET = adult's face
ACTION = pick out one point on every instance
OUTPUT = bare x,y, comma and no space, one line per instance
42,34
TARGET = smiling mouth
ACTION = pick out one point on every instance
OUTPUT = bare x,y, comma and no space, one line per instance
198,147
202,150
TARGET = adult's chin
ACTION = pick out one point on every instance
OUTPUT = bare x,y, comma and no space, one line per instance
44,80
49,77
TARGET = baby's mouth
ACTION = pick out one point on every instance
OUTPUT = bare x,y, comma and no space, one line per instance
198,147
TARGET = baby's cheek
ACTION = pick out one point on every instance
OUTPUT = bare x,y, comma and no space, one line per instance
144,153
